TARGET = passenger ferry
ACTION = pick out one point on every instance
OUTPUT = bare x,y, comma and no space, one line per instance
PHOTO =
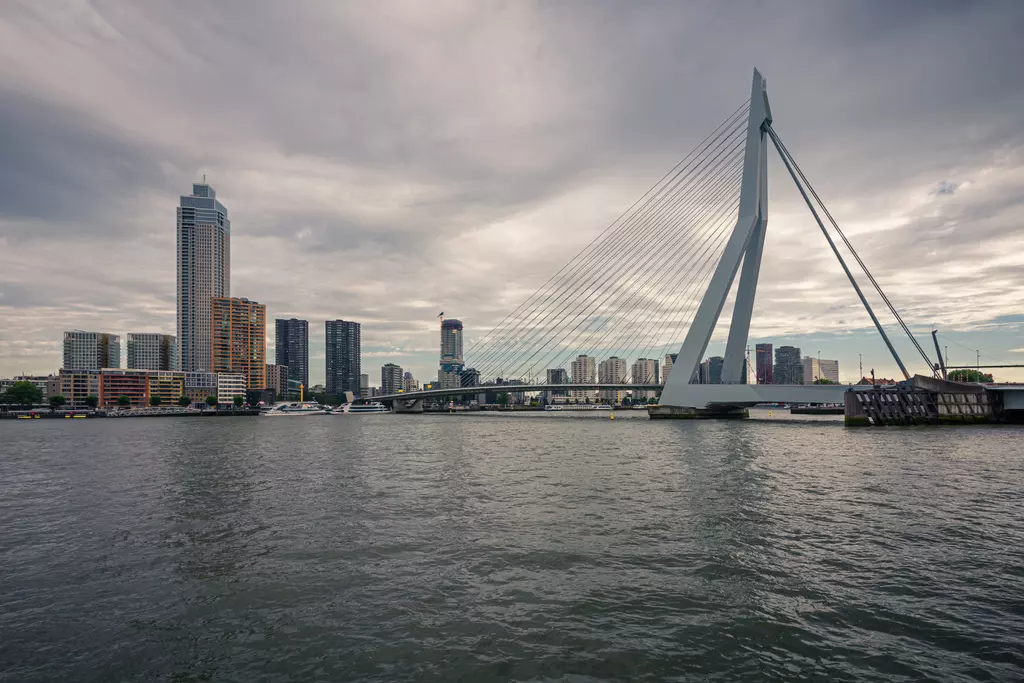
360,408
580,406
295,409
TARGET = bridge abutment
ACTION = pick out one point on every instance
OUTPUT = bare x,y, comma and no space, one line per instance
407,405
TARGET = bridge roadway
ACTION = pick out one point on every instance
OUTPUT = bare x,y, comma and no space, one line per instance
738,395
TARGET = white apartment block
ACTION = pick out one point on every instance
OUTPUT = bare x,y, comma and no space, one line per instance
583,370
612,371
150,351
91,350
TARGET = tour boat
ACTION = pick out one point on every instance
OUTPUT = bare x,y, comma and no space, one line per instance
295,409
360,408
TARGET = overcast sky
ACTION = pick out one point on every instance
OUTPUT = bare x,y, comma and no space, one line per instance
386,161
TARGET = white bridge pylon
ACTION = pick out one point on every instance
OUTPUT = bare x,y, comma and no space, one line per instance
745,246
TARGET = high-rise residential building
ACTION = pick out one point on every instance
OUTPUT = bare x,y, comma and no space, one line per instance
583,371
240,339
715,364
670,359
364,385
815,369
277,379
391,379
204,273
91,350
291,347
148,351
612,370
449,374
409,383
644,371
344,352
556,376
789,369
763,364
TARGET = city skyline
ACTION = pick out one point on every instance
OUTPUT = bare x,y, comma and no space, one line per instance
928,199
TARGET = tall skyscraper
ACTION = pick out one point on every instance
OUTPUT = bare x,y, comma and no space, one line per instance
148,351
644,371
612,371
239,339
291,347
670,359
91,350
449,374
344,349
391,379
715,364
583,371
763,364
204,272
789,369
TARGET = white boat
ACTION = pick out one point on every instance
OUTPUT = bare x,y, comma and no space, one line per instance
295,409
360,408
578,406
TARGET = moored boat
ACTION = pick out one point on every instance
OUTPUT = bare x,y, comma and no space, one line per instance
372,407
295,409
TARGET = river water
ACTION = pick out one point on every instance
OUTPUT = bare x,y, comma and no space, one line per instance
492,548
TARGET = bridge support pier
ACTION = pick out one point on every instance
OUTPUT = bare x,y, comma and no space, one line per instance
407,405
660,412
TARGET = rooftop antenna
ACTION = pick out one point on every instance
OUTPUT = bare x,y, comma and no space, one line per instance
204,179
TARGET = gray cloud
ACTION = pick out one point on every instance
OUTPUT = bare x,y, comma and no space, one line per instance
385,164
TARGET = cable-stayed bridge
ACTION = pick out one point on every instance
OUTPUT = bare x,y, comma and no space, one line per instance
662,272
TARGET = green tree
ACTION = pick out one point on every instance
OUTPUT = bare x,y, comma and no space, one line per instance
24,394
503,399
184,401
823,380
969,375
212,401
238,401
155,401
92,401
57,401
124,401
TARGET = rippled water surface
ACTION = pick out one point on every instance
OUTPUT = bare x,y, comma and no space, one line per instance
490,548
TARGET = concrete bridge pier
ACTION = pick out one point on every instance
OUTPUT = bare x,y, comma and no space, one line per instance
660,412
407,405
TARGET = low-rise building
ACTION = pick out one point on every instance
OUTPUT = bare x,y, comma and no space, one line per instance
229,385
77,385
199,385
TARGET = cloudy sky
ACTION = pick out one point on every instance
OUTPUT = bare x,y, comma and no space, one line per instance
386,161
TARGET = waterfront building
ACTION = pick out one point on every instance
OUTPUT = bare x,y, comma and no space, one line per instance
391,379
150,351
814,369
76,385
344,351
240,339
612,370
409,383
556,376
91,350
829,369
115,383
229,385
449,374
48,385
291,347
199,385
715,364
789,369
644,371
204,273
763,364
169,385
670,359
583,371
277,379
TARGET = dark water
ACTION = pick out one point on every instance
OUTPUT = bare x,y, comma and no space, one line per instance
550,548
